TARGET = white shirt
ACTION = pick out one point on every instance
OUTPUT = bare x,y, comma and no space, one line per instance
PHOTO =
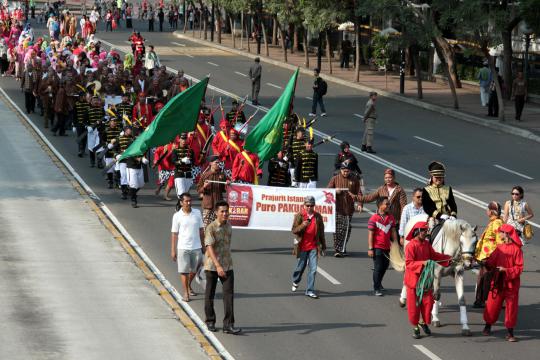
187,227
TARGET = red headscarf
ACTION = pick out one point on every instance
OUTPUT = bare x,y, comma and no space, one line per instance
511,232
418,225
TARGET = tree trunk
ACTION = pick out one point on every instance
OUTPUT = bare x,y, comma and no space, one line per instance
213,23
431,54
201,16
274,31
205,25
292,30
418,70
265,39
248,37
328,51
446,54
283,42
233,30
185,16
219,25
242,30
306,48
357,35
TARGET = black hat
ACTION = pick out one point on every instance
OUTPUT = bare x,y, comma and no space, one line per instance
344,144
436,169
345,165
183,136
309,200
235,102
213,158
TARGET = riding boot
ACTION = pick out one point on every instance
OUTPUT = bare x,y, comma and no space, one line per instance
110,180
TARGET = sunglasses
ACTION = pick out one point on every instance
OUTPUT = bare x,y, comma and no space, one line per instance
418,197
309,206
517,194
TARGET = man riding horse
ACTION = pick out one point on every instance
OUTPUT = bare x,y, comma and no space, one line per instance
437,198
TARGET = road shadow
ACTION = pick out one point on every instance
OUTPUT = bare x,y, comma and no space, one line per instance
305,328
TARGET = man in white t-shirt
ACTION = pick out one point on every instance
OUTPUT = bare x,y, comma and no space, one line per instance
186,247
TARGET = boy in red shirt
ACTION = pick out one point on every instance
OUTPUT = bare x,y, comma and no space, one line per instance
381,229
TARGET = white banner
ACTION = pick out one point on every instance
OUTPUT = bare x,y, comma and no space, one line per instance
273,208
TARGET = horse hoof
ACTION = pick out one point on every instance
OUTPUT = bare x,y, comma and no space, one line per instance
436,323
466,332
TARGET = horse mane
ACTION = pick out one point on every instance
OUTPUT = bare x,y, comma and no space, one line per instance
454,228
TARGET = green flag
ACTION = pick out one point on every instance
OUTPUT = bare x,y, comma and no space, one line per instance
266,138
178,116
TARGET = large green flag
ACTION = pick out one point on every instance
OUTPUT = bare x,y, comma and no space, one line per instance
266,138
178,116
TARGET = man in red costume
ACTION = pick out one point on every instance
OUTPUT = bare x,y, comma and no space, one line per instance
143,111
417,252
221,138
197,140
246,168
506,265
231,149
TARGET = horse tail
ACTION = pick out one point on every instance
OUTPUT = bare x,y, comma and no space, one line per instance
397,257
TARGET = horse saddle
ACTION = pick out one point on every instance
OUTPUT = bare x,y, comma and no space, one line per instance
435,231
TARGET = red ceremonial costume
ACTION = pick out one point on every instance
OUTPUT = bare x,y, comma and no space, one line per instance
143,112
416,252
166,164
246,168
221,138
505,289
197,139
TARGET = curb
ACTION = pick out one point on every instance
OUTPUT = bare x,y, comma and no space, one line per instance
509,129
185,315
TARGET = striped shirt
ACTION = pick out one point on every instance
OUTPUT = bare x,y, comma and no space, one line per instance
409,211
381,226
344,202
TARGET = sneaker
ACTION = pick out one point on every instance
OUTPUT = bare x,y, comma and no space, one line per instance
416,333
323,114
511,338
312,295
338,254
312,114
378,293
402,302
426,329
294,287
363,148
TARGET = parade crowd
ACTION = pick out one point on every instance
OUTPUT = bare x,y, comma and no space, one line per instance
107,101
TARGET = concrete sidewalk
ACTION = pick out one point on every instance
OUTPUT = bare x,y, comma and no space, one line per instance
437,96
67,287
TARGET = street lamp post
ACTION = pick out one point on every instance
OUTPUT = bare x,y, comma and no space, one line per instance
402,72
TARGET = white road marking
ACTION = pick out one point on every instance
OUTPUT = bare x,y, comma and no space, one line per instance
328,276
190,56
309,98
358,116
241,74
385,163
428,141
211,63
177,44
513,172
426,352
274,85
127,42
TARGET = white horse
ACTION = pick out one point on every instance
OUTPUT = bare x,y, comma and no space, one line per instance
456,238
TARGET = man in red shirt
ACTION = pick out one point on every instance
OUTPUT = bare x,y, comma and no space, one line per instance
308,229
381,229
165,169
506,265
417,252
143,111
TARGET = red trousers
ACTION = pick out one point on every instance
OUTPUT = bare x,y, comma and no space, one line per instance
425,307
494,304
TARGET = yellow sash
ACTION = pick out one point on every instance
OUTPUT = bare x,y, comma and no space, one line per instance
201,131
223,136
234,145
246,156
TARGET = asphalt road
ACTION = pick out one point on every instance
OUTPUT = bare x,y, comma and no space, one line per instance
347,321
